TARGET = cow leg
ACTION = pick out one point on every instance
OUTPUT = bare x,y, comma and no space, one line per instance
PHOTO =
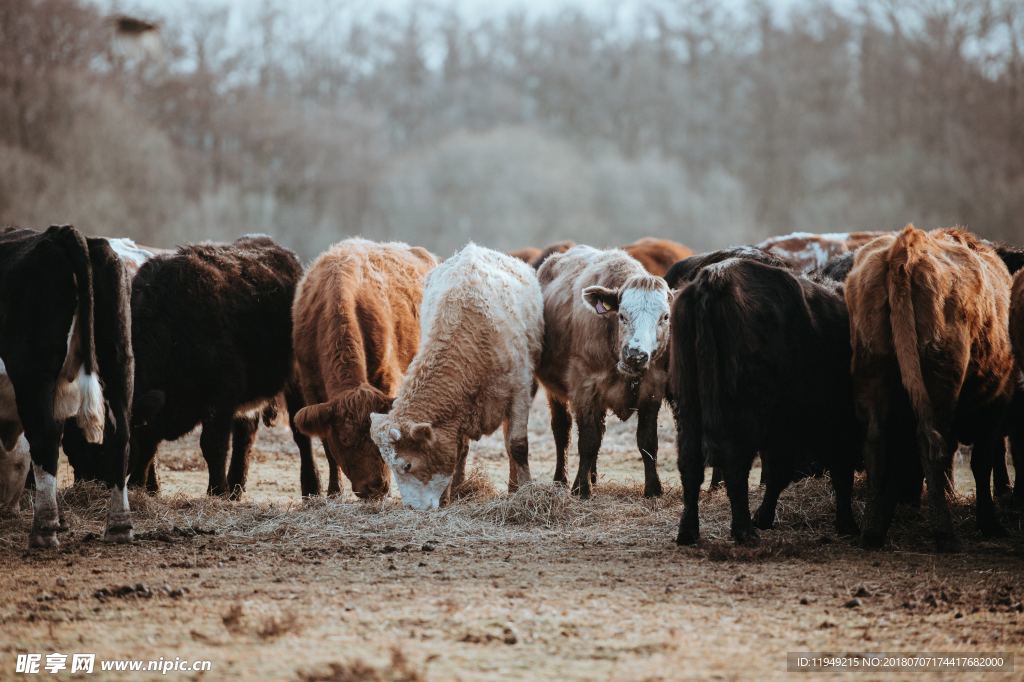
243,435
214,443
842,484
1000,474
1017,455
458,475
873,406
561,425
737,473
717,478
776,478
333,478
691,471
517,444
932,446
35,407
590,423
309,479
647,442
984,452
142,461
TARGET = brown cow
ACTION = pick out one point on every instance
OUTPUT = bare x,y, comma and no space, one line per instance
356,329
527,254
807,251
482,327
657,255
605,342
550,250
928,312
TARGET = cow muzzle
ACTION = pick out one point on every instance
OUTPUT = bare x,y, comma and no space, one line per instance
634,361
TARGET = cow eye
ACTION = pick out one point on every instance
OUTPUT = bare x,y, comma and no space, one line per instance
407,467
664,318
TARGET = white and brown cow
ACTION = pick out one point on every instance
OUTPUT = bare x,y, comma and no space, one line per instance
48,366
605,342
481,326
806,252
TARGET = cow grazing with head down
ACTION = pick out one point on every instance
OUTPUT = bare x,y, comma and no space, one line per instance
928,319
760,364
481,327
356,329
657,255
807,251
49,371
606,333
212,332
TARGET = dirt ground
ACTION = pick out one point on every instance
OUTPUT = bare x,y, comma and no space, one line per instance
536,586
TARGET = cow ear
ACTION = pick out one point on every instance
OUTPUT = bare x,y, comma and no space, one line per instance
422,433
378,424
315,420
601,299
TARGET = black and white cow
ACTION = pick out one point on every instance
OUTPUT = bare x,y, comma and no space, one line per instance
49,365
211,328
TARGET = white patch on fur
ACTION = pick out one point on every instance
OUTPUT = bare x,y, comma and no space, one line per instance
91,413
8,404
45,502
645,310
419,495
119,500
127,250
14,466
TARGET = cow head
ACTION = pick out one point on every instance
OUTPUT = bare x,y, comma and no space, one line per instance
343,424
641,305
423,458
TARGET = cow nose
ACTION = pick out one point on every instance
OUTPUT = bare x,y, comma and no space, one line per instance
637,358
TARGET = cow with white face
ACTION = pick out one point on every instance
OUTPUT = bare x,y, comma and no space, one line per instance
481,324
606,335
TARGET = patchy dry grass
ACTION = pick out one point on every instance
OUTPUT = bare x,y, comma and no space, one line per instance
534,584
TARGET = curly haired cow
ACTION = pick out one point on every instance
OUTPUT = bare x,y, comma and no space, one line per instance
481,327
212,333
928,317
606,333
356,328
760,363
806,252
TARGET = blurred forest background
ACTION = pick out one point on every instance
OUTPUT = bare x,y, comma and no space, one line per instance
710,123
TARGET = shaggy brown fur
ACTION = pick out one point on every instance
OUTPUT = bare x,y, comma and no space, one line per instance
584,364
657,255
356,328
482,325
928,313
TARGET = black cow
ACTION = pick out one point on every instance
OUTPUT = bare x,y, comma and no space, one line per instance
50,362
687,269
211,327
760,362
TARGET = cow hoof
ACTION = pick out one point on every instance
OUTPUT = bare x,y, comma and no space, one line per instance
119,535
563,480
687,536
652,489
582,491
43,539
763,521
745,536
947,543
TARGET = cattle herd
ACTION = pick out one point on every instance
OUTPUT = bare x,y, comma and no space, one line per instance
881,351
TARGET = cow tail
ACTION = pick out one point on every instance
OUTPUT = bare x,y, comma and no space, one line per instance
904,334
91,413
